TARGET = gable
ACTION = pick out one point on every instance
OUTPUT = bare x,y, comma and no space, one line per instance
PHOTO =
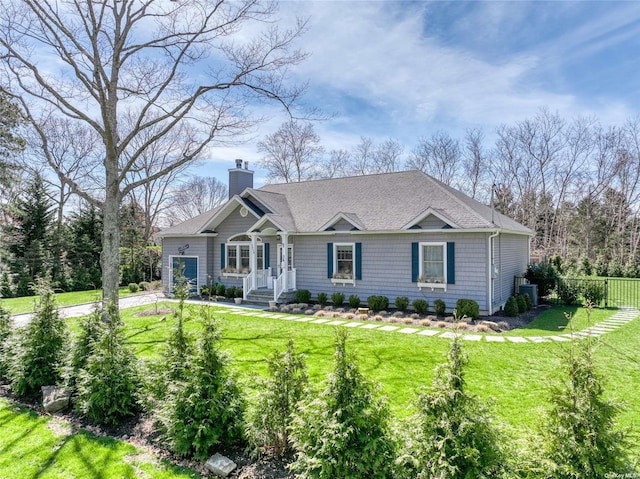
432,222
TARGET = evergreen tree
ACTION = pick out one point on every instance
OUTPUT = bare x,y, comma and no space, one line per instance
582,440
28,236
5,335
86,243
344,431
10,143
454,436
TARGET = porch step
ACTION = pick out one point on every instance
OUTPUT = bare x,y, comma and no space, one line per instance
262,296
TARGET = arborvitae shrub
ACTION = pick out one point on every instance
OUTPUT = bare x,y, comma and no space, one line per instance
511,307
468,308
39,349
6,291
303,296
527,300
207,409
522,303
354,301
322,299
337,299
378,303
587,268
581,437
402,303
108,387
421,306
439,307
271,416
91,330
343,432
5,334
453,435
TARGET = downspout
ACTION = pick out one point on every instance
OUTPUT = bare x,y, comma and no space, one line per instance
490,269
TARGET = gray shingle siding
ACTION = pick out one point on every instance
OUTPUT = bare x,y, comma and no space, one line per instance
386,266
512,255
197,247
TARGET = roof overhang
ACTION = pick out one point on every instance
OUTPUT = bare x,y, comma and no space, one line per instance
225,211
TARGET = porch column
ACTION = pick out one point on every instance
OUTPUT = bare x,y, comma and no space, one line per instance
253,259
285,261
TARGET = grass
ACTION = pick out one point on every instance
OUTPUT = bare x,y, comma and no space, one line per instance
516,377
33,446
554,321
25,304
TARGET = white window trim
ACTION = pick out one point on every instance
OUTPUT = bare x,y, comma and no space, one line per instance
425,284
237,246
197,258
337,280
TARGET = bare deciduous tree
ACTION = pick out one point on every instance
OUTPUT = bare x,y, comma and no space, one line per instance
163,64
293,153
196,196
438,156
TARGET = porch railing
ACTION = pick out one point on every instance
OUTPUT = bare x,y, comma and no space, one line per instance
262,280
278,283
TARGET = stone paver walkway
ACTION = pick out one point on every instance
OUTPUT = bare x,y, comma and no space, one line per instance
620,318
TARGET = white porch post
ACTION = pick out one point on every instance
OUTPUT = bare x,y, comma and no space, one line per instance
253,258
285,261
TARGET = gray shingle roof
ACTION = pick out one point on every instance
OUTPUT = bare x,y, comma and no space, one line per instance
379,202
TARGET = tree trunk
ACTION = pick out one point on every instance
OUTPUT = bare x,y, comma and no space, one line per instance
110,258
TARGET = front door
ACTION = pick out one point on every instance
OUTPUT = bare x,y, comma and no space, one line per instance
281,259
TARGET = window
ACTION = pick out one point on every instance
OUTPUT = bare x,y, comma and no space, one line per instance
433,264
344,261
238,258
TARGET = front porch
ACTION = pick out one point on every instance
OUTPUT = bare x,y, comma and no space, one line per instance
261,284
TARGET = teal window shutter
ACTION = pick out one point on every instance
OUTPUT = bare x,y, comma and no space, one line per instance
451,263
267,261
329,260
415,262
222,256
358,260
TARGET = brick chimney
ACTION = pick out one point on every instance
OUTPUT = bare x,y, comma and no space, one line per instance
240,178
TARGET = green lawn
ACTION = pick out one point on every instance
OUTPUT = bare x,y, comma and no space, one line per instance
25,304
36,447
554,321
515,376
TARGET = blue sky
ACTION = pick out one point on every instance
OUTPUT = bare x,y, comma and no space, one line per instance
405,70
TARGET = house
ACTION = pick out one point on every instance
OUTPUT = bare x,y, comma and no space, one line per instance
391,234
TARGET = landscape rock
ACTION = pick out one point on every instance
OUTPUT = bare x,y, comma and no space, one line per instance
55,398
219,465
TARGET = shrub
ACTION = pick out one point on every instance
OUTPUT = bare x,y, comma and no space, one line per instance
402,303
587,268
593,291
89,335
133,287
39,349
354,301
109,384
344,431
220,289
378,303
452,435
441,324
144,286
303,296
511,307
568,291
269,420
207,409
421,306
522,303
581,437
482,328
322,299
6,291
5,335
527,300
230,292
439,307
544,275
468,308
337,299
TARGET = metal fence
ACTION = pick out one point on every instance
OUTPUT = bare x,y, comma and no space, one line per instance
615,292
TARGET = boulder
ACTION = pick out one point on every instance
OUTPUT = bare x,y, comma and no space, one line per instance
219,465
55,398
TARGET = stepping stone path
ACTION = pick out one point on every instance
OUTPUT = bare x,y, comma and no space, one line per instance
624,315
